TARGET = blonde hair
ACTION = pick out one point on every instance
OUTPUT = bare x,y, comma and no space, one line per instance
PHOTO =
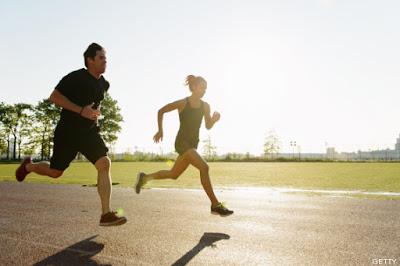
192,81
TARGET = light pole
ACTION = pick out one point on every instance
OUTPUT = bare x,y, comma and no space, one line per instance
299,151
293,145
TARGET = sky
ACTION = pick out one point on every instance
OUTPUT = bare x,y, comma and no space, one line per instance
323,73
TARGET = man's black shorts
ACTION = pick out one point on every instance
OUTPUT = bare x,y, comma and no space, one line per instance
68,142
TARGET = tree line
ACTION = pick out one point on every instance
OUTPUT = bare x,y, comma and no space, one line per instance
27,129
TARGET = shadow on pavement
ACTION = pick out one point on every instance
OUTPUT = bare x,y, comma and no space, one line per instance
95,185
80,253
207,240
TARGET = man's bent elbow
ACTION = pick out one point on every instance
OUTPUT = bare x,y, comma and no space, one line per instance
52,97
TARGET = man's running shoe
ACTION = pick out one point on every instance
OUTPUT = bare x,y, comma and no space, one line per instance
21,171
111,218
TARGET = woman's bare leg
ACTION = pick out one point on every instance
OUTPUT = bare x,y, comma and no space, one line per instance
197,161
180,165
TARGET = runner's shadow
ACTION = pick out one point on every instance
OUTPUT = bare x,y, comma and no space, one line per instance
80,253
95,185
207,240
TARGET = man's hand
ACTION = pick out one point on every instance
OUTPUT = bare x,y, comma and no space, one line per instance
90,113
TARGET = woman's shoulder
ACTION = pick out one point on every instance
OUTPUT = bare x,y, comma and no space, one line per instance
181,103
205,105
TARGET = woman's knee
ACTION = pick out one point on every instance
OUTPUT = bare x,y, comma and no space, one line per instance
204,168
103,164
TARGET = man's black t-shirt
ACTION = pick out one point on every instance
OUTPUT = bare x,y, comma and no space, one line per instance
81,88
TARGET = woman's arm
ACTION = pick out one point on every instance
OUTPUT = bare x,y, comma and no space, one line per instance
210,121
165,109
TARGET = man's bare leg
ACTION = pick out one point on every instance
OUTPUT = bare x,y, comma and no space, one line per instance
43,168
104,189
108,218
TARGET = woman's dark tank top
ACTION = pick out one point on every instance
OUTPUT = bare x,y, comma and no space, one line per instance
190,122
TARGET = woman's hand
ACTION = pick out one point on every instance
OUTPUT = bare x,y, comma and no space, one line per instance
158,137
215,117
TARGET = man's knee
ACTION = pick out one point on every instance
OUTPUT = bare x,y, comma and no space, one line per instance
56,173
174,175
103,164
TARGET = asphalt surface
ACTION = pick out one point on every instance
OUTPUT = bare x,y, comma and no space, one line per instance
58,225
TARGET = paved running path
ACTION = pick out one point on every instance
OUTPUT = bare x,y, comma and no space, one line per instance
58,225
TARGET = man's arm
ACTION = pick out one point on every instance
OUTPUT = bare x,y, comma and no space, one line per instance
58,99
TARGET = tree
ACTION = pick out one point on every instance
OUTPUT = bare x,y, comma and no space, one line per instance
3,135
3,143
24,133
46,116
14,122
209,150
6,112
110,123
271,144
19,115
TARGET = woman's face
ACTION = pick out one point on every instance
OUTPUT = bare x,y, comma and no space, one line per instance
200,89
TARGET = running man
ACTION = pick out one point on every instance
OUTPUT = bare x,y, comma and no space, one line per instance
80,94
191,112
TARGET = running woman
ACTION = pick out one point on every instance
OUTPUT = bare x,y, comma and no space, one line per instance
191,112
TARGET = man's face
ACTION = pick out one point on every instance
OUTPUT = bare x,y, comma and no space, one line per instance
99,62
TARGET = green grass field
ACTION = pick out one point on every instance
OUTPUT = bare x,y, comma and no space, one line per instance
343,176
